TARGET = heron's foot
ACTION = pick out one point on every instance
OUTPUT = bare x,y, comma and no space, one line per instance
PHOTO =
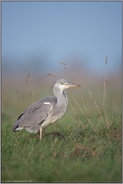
58,134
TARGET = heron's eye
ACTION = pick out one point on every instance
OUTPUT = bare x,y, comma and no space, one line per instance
63,83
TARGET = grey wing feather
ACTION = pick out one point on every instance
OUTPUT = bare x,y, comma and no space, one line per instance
34,114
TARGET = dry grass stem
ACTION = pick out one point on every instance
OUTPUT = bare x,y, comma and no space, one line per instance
51,74
79,121
89,92
85,86
27,87
82,111
62,63
81,96
104,95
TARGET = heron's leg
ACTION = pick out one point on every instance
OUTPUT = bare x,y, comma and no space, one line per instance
40,133
55,134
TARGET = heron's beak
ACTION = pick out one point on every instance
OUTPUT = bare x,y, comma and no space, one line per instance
73,85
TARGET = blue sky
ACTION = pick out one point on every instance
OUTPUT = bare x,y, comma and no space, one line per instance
59,30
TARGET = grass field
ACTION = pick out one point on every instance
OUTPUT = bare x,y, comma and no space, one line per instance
91,151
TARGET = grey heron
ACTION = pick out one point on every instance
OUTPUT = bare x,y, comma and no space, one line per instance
46,111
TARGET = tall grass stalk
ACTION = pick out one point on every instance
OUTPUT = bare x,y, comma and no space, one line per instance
86,110
82,111
104,94
87,89
89,92
78,119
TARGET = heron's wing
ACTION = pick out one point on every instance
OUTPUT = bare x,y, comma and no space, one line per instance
35,114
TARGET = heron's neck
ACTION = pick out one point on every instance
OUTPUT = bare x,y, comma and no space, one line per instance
61,97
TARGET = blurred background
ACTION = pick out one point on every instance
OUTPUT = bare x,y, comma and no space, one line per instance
78,41
41,38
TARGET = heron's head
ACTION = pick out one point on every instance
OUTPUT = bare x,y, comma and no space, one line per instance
63,84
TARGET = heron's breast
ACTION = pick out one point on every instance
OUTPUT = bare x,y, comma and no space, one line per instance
58,113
